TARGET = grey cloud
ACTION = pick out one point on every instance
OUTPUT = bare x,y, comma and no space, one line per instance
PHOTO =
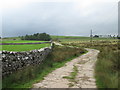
59,19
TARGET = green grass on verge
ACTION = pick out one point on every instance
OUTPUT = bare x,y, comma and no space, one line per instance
27,77
24,47
72,76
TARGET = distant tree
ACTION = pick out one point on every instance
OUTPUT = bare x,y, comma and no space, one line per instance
96,36
118,37
22,38
37,36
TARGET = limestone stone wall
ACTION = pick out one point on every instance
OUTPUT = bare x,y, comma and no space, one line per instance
12,61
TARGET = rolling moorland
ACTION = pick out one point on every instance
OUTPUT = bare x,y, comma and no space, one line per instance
106,68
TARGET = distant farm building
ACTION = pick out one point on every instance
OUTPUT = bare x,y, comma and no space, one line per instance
105,36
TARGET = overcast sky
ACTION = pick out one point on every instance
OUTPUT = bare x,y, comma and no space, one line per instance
59,17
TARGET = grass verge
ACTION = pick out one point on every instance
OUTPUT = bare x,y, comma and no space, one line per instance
106,70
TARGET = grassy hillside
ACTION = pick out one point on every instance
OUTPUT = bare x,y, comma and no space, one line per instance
11,38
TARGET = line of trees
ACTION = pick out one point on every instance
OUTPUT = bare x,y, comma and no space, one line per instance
37,36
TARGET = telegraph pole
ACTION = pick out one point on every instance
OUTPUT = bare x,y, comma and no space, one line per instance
91,36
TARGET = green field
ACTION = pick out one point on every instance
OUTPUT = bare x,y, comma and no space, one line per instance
11,38
21,47
20,41
24,47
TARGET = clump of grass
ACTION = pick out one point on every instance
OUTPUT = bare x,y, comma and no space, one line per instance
72,76
71,84
26,77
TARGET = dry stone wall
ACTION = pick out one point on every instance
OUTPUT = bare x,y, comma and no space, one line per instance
12,61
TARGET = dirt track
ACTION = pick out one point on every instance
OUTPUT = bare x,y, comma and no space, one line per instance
84,79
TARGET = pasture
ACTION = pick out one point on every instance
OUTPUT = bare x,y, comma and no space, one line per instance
22,47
